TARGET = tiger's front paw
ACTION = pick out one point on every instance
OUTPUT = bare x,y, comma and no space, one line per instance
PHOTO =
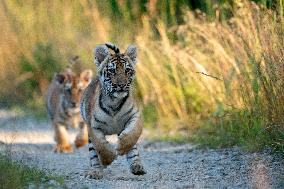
63,148
137,169
94,174
79,142
107,156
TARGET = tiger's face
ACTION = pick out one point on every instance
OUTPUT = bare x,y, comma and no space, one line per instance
117,75
116,71
72,87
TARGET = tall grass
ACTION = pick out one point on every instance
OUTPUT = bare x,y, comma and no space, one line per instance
221,79
246,53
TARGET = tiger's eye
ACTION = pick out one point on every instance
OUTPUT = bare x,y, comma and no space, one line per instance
111,71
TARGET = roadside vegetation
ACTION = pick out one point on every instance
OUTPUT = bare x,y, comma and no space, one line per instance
207,72
15,175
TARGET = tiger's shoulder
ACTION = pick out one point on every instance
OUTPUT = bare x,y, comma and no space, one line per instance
88,99
52,98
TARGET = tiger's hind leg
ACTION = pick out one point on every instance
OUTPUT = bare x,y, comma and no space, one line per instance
82,137
96,171
134,161
61,138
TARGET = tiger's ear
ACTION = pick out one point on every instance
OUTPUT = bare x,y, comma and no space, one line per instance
100,52
131,51
86,76
59,78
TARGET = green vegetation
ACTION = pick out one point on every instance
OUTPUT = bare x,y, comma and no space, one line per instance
15,175
239,129
213,75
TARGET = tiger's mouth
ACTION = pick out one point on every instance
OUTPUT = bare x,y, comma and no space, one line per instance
72,111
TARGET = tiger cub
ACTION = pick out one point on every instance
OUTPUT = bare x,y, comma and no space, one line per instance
62,103
108,107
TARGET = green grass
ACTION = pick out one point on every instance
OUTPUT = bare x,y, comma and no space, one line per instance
15,175
177,138
33,108
241,129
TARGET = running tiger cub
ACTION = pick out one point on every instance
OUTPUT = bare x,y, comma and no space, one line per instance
62,103
108,107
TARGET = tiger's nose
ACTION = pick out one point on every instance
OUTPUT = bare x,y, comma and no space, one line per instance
73,104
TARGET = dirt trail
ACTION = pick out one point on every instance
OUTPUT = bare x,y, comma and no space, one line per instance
168,165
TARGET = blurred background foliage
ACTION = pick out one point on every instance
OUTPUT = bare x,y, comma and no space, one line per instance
209,70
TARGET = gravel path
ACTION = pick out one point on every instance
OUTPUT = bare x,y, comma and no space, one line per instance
168,165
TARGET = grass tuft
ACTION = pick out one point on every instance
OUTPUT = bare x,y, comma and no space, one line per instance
15,175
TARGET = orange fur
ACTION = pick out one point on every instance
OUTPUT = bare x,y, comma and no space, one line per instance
62,103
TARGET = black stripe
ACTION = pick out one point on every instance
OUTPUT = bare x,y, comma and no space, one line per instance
96,163
113,47
134,148
82,102
89,140
130,157
93,157
122,60
101,105
99,129
114,59
130,117
65,110
121,104
99,121
130,110
63,114
91,148
49,111
112,97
